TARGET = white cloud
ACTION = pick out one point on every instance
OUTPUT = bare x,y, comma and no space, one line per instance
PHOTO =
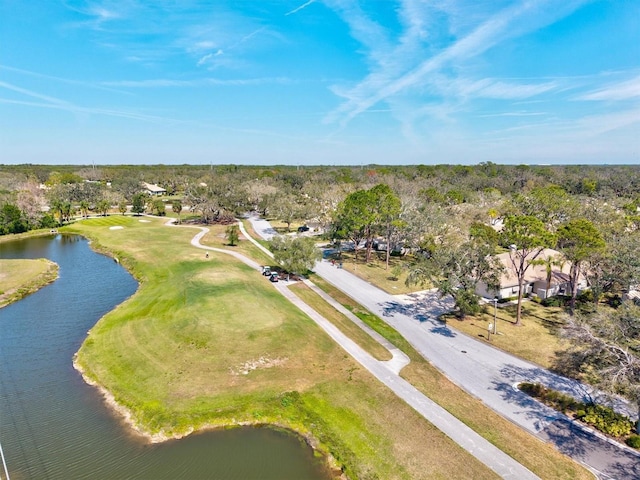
205,59
297,9
409,77
52,100
204,45
201,82
618,91
497,89
515,114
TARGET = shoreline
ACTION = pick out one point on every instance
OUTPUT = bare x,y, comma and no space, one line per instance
123,412
41,280
126,417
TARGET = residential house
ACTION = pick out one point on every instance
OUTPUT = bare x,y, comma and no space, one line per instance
535,279
152,189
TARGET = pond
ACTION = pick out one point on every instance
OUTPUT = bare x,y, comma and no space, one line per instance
55,426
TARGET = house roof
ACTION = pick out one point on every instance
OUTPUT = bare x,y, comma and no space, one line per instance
535,273
153,188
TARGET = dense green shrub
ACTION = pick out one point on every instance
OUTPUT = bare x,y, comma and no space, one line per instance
557,301
607,420
634,441
614,301
602,418
533,389
48,221
585,296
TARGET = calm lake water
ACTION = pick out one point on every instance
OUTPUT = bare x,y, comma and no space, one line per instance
54,426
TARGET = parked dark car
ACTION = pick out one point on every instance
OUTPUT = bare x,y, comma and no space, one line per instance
303,228
273,277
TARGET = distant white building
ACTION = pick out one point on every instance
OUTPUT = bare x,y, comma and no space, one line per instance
152,189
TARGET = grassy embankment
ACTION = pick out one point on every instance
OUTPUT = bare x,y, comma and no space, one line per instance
21,277
210,343
539,457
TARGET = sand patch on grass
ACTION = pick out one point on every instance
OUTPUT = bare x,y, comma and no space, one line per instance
260,363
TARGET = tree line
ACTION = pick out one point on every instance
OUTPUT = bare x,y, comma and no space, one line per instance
447,221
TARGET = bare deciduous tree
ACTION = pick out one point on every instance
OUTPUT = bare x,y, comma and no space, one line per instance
606,347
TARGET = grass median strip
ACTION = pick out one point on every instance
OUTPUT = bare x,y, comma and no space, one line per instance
540,458
349,328
210,343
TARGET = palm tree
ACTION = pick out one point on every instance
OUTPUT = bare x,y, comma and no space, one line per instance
66,211
548,263
57,208
103,207
176,207
84,208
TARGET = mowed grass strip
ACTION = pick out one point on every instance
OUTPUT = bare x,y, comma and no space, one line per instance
217,238
349,328
537,339
539,457
21,277
210,343
375,271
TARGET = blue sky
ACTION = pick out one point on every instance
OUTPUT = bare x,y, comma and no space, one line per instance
319,82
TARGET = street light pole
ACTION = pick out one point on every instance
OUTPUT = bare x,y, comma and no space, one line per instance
495,316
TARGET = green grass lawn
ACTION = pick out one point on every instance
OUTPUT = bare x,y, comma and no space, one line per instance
249,228
537,339
375,271
20,277
217,238
210,342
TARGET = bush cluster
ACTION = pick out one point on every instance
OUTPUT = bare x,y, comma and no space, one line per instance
600,417
634,441
556,301
558,400
606,420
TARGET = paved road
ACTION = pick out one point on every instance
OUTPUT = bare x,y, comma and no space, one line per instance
485,372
